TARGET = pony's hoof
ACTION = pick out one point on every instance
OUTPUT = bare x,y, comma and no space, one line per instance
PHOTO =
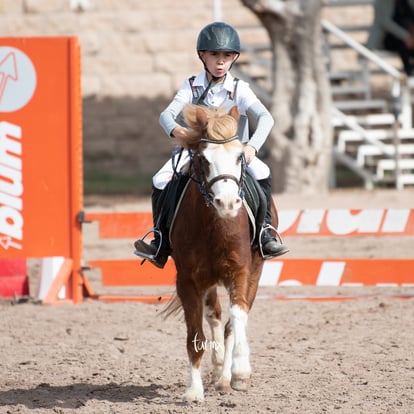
216,375
240,384
223,385
192,395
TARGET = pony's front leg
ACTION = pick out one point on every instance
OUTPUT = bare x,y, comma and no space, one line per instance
195,349
193,312
240,369
212,313
223,383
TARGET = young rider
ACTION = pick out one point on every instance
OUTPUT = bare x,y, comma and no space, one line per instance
218,47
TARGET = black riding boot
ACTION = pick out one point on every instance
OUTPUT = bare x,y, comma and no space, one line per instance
157,244
271,246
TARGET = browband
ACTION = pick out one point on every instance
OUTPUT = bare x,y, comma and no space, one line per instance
223,141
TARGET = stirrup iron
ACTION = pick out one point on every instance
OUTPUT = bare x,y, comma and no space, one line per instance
148,256
277,237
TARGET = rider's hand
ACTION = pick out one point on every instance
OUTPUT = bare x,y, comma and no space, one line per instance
249,153
179,132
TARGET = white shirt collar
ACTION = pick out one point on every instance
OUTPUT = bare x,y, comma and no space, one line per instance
201,80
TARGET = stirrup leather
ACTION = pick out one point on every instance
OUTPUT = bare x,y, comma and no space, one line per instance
277,236
149,256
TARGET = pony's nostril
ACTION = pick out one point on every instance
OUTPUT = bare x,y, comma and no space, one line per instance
231,205
218,202
238,203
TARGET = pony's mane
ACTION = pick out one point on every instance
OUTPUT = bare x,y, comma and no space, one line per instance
217,125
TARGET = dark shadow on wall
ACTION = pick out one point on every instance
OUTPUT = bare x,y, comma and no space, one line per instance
123,144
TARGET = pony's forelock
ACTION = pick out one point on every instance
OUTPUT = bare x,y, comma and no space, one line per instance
220,127
216,124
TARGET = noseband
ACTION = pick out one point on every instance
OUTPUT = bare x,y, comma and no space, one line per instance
201,179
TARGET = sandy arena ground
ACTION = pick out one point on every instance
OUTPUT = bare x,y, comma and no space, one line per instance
349,356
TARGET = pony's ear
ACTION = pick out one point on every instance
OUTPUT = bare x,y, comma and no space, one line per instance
234,113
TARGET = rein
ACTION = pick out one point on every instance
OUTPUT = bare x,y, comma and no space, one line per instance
204,185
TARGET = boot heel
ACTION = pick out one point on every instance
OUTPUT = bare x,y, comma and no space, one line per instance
149,250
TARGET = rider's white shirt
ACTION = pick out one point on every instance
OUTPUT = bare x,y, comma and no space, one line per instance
244,98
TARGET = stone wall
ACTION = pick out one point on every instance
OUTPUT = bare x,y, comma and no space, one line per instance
135,54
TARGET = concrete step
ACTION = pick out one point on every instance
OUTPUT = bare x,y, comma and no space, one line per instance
349,90
375,134
406,179
389,165
345,75
370,120
361,105
367,150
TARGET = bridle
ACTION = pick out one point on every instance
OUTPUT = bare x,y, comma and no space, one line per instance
200,176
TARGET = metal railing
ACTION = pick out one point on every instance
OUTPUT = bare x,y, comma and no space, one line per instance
401,101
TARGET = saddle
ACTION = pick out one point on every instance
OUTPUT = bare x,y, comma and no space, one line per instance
169,202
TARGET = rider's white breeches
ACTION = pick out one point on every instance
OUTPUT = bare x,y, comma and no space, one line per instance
257,168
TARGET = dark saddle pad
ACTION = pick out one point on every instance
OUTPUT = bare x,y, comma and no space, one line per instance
170,197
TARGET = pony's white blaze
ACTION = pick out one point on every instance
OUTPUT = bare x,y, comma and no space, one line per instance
224,161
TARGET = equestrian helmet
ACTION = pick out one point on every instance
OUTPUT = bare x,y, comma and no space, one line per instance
218,37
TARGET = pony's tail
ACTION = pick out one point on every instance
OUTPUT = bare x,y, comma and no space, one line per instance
173,307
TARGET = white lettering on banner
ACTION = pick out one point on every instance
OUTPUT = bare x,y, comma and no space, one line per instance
270,273
287,219
11,186
330,274
344,222
395,220
290,282
310,221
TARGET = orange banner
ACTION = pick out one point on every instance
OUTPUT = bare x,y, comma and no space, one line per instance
276,272
347,222
40,146
312,222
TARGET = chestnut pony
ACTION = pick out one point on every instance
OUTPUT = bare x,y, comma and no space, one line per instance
211,245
